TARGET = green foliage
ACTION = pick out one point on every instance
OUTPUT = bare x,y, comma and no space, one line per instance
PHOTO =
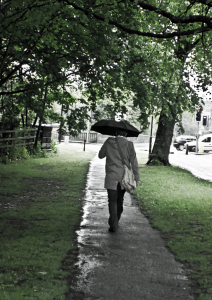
43,60
13,154
54,149
156,162
142,51
5,159
188,125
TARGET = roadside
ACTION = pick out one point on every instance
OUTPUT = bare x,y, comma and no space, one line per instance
200,165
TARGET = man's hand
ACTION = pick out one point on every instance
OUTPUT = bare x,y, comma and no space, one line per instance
137,183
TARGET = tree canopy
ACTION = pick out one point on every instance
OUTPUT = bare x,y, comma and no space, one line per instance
142,50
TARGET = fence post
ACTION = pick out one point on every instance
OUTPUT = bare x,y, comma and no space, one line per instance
66,139
186,149
37,135
150,138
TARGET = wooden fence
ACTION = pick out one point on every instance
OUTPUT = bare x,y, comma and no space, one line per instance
24,140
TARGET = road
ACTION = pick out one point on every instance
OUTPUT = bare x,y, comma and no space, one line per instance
199,165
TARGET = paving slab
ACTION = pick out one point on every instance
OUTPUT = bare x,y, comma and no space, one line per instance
130,264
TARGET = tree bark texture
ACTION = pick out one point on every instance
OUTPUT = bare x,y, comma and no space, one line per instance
22,118
160,152
37,134
41,119
35,121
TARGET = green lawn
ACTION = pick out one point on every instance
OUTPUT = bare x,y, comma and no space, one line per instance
180,206
40,209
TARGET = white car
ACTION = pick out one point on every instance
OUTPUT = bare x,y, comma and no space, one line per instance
205,141
180,141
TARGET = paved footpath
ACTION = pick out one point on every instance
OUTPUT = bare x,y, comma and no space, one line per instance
130,264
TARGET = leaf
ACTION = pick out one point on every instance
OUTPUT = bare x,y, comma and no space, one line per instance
106,21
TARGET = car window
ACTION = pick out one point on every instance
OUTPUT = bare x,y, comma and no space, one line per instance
207,140
184,139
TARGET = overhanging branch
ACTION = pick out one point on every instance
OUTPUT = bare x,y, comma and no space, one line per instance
174,19
14,92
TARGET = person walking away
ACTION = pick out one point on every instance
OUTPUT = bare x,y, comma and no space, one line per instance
115,173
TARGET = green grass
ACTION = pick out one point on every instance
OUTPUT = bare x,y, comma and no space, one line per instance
40,209
180,206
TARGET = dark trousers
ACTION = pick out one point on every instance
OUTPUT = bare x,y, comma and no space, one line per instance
115,205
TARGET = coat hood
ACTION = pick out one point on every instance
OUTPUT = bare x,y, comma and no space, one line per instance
121,140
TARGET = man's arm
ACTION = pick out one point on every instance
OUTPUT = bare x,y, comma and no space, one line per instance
102,151
134,164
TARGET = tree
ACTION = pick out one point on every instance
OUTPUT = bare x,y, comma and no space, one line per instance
45,48
100,41
180,27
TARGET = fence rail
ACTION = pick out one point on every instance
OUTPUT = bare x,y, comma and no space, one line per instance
79,137
92,137
20,138
17,130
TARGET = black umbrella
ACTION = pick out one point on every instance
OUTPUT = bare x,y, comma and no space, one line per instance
108,127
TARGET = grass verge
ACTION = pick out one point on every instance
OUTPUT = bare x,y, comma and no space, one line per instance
180,206
40,209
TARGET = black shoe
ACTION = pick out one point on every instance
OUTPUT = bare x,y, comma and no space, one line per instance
111,229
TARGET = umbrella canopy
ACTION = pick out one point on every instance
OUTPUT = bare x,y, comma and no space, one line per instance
109,127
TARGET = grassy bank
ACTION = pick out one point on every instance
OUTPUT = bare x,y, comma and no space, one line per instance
40,209
180,206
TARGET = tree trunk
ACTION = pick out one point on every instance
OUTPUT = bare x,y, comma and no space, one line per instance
26,113
61,125
22,118
166,123
37,134
35,121
41,119
160,152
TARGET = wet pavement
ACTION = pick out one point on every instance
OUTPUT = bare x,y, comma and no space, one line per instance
130,264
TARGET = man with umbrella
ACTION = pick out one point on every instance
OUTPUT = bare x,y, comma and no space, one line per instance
114,166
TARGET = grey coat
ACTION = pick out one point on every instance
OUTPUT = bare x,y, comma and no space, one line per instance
114,167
